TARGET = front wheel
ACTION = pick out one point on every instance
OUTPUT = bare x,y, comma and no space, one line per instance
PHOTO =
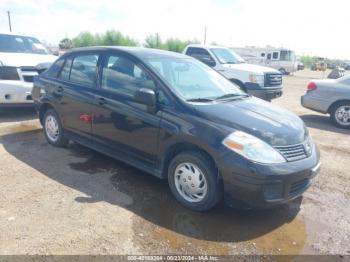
194,181
340,114
53,129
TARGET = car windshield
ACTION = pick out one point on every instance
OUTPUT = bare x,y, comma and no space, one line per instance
193,80
227,56
21,44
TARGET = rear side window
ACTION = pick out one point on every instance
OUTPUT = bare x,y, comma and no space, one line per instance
84,69
275,55
122,75
55,68
64,75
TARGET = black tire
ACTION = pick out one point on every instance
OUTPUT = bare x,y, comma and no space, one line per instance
61,139
214,182
333,111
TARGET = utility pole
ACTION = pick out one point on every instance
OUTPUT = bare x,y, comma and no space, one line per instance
157,40
205,35
9,17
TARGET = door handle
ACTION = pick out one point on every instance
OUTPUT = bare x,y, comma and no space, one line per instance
102,101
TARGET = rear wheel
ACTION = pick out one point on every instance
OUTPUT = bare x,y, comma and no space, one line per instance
194,181
53,129
340,114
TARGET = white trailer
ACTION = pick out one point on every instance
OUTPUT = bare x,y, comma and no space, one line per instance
281,59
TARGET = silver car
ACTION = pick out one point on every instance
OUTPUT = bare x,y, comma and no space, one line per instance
330,96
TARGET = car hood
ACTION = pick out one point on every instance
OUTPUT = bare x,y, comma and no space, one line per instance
270,123
23,59
251,68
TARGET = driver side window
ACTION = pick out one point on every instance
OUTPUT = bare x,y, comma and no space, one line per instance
122,75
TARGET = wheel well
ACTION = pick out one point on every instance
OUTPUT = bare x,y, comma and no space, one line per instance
239,83
180,148
337,102
43,108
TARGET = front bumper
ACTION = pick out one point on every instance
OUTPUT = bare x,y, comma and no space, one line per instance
264,186
15,93
266,93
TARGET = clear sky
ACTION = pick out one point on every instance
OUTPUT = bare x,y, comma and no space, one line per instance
306,26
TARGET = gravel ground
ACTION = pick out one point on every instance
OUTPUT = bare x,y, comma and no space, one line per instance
76,201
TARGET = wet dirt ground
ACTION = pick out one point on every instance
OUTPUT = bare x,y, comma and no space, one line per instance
76,201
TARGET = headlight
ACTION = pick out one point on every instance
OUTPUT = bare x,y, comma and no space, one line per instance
8,73
258,79
252,148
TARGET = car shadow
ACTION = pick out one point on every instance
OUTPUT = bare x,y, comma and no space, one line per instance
322,122
101,178
17,114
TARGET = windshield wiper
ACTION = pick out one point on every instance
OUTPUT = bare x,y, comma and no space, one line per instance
198,99
230,95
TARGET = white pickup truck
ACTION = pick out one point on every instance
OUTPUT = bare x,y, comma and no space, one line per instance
259,81
21,58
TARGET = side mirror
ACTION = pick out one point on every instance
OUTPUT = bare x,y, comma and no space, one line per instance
146,97
208,61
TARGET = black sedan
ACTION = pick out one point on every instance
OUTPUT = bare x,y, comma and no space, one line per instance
176,118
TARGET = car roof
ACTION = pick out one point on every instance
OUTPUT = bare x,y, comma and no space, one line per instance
15,34
140,52
206,46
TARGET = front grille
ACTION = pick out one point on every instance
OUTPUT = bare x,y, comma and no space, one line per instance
273,79
292,153
298,186
28,73
28,78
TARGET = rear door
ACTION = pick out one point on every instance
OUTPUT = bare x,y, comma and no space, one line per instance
76,81
122,126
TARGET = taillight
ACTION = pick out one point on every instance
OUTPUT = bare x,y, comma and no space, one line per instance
311,86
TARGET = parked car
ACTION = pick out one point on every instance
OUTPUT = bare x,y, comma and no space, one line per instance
301,66
330,96
176,118
21,58
319,66
259,81
346,66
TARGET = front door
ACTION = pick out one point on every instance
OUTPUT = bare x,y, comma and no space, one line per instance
122,126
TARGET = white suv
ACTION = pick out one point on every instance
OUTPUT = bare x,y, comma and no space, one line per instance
259,81
21,58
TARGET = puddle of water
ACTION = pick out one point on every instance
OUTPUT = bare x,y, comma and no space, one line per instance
160,223
288,239
23,127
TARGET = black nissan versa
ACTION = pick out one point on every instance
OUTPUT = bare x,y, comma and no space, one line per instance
174,117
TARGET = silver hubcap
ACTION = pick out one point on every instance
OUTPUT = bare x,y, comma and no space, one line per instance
190,182
342,115
51,128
